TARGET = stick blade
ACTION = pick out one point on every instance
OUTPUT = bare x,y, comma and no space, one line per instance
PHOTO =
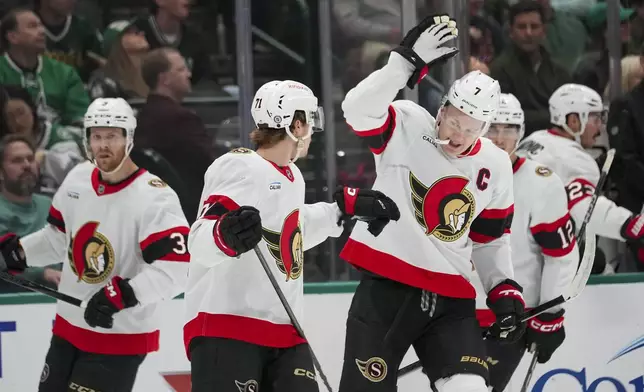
585,268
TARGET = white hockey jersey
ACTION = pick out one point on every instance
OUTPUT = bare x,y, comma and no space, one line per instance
231,297
133,229
453,210
580,174
544,249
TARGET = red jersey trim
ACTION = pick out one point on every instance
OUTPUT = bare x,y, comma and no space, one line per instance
379,137
284,170
485,317
517,164
476,147
217,205
165,245
586,190
55,218
391,267
245,329
103,188
106,343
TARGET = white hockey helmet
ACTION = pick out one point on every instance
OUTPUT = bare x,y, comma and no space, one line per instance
510,113
574,98
477,95
110,113
276,102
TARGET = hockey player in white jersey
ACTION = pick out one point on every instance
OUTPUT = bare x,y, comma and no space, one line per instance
238,335
544,249
577,116
121,235
454,190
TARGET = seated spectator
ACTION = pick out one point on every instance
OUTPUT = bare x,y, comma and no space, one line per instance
525,68
593,69
566,36
632,74
55,87
486,35
70,38
22,211
173,131
166,27
124,46
58,147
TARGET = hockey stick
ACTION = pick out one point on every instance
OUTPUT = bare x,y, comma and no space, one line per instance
533,364
291,315
33,286
584,268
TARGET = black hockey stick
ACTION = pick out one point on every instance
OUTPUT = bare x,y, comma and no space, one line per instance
291,315
33,286
584,268
533,364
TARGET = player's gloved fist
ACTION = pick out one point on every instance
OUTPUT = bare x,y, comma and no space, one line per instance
633,229
547,332
238,231
12,253
506,301
367,205
114,297
421,45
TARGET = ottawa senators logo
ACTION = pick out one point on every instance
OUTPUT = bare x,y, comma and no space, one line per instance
543,171
373,369
91,254
248,386
286,247
445,209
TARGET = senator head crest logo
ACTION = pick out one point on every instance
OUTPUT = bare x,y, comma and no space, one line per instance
286,246
91,254
445,209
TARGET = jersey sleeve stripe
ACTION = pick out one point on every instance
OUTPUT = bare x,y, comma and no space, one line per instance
578,190
55,218
491,224
553,237
166,245
378,138
217,206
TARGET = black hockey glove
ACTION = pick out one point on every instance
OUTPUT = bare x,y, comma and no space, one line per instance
114,297
367,205
238,231
547,332
506,301
12,253
633,230
421,45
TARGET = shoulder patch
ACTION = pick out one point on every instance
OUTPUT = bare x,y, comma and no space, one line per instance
157,183
543,171
241,150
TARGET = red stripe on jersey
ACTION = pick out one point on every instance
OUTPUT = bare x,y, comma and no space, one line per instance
167,245
577,190
485,317
517,164
106,343
552,226
102,188
485,239
555,238
246,329
496,213
378,138
393,268
217,205
55,218
219,241
473,150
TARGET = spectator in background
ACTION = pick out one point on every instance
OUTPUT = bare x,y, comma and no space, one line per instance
525,68
637,26
173,131
632,74
593,69
58,147
70,38
21,210
566,36
55,87
124,46
486,35
166,27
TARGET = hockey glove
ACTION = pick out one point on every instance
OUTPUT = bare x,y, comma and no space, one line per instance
114,297
12,253
506,301
238,231
421,45
547,332
633,230
367,205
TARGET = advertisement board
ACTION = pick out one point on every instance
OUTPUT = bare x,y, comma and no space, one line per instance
603,351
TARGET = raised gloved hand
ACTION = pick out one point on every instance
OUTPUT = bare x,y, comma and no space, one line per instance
506,301
547,332
421,45
12,253
367,205
238,231
114,297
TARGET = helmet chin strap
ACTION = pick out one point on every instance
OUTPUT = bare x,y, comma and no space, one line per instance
300,143
128,149
575,135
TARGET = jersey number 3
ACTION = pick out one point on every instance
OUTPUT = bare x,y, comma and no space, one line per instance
180,247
